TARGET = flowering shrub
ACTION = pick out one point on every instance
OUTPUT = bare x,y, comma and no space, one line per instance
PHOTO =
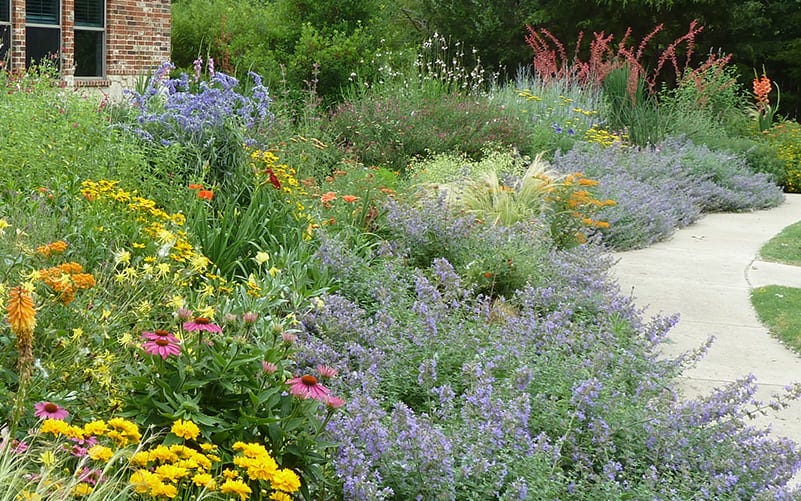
556,390
666,187
202,371
95,461
785,137
211,119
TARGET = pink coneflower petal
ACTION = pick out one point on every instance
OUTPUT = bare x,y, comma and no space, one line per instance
160,334
201,324
288,337
307,386
333,402
326,371
268,367
49,410
162,347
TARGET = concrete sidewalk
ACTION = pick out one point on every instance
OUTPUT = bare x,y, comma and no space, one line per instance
705,273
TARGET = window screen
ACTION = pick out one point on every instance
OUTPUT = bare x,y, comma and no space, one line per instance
42,11
5,13
88,53
42,43
89,13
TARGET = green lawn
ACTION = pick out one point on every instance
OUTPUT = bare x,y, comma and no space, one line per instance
777,308
784,247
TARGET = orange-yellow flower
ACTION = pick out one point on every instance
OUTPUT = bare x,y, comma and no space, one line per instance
21,312
205,194
195,186
349,198
328,197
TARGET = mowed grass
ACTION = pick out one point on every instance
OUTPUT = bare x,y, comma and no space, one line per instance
784,247
777,308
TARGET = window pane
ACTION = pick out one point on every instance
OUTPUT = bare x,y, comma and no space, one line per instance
88,53
42,11
5,14
89,13
5,44
42,44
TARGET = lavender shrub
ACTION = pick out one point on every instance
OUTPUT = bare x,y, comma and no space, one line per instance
557,391
209,119
663,188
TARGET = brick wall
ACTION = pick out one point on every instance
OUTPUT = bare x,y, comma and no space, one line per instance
137,41
137,35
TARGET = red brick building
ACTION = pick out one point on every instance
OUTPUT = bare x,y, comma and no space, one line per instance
105,44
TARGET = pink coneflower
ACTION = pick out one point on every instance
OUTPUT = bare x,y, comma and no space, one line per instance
161,343
288,337
333,402
326,371
250,317
201,324
268,367
160,334
307,386
49,410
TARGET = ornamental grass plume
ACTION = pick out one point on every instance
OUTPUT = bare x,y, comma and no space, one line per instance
22,319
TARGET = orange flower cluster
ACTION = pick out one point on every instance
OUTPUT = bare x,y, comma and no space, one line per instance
56,247
65,279
201,192
762,87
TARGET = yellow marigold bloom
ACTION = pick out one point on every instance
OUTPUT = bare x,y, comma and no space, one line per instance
21,312
204,480
171,472
182,451
251,450
141,458
123,431
285,480
3,225
55,426
141,481
82,489
229,474
100,453
263,468
280,496
161,489
236,487
163,454
185,429
207,447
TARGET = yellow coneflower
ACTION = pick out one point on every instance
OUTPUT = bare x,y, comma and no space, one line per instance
22,319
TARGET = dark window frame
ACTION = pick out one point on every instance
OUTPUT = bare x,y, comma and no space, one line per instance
5,32
90,22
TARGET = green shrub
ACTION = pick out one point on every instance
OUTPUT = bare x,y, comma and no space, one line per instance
785,138
392,130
